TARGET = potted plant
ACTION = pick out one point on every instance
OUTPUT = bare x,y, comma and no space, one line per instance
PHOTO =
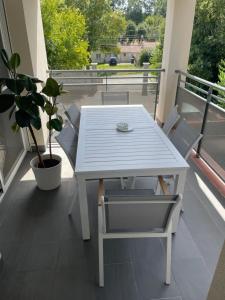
19,96
49,178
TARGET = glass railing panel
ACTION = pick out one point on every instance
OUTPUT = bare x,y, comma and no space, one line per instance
213,144
86,87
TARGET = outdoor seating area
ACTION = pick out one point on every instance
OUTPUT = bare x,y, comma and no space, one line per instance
132,252
112,176
45,257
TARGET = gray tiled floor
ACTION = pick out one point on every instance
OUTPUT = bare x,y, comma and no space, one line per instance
45,258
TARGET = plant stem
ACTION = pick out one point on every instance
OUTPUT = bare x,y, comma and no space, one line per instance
50,138
36,146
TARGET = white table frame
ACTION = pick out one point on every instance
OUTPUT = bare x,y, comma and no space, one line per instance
179,170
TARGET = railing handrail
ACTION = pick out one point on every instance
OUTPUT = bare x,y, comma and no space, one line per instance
109,70
203,81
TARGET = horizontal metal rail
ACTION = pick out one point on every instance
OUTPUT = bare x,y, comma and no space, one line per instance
102,77
104,84
212,96
107,70
203,81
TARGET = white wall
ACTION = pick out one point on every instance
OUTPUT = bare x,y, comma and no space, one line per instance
26,35
177,41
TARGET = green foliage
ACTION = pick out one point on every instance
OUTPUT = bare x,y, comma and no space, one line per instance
154,25
64,29
141,30
159,7
145,56
156,57
103,23
208,39
113,24
221,81
131,31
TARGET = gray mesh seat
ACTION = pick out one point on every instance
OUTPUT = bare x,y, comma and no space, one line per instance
115,98
139,214
73,115
171,120
68,140
185,138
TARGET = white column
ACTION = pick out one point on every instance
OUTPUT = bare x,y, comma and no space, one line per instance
27,38
177,41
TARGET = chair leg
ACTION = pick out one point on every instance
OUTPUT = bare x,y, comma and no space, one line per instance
101,261
123,183
71,208
131,182
168,258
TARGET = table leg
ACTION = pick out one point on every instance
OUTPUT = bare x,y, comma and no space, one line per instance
82,194
179,189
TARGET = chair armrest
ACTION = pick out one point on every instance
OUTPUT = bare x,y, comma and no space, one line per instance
163,185
101,192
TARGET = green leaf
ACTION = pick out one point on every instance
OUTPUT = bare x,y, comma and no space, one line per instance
39,99
33,79
23,119
51,88
33,111
14,61
5,58
6,101
55,124
48,108
36,123
15,85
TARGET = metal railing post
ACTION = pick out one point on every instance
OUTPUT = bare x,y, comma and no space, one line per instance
209,97
106,81
145,79
178,85
156,94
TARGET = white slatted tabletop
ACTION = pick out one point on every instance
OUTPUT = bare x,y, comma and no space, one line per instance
102,148
104,152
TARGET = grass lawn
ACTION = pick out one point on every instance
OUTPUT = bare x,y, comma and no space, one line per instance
119,67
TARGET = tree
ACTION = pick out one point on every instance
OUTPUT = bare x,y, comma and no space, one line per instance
113,25
141,31
93,11
64,30
145,56
159,7
153,25
221,81
131,31
208,39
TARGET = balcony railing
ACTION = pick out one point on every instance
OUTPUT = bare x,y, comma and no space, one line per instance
202,104
86,86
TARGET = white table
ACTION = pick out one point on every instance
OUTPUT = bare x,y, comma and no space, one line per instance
104,152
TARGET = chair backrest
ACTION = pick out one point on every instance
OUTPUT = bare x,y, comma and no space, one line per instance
139,214
115,98
171,120
73,115
68,139
185,138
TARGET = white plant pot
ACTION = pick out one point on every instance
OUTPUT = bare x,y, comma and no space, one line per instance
47,178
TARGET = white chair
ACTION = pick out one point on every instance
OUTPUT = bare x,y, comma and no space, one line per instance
138,214
115,98
68,140
73,115
171,120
